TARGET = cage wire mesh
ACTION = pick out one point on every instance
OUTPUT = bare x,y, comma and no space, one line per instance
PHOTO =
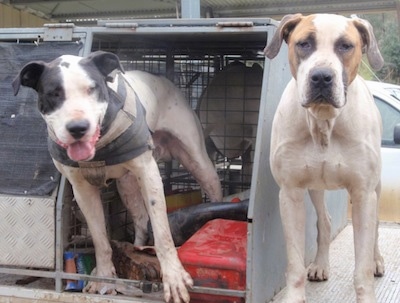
222,85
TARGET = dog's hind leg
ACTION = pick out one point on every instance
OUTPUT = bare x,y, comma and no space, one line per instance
202,169
378,259
190,151
319,269
131,196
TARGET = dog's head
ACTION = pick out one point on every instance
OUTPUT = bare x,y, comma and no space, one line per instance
325,52
72,98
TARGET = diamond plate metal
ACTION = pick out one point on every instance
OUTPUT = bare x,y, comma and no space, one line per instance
27,231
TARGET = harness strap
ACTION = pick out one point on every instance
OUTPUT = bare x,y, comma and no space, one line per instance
94,172
123,120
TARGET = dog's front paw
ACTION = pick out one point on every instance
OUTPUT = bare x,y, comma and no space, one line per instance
94,287
100,288
318,272
176,284
295,296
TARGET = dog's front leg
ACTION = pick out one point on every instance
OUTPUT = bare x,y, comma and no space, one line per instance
88,198
293,215
175,278
319,269
364,214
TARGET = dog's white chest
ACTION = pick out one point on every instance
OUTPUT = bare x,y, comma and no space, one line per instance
324,171
310,168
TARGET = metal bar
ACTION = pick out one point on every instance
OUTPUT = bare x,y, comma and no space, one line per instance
87,43
138,284
190,8
59,235
235,24
22,34
116,281
27,272
219,291
121,25
59,25
186,22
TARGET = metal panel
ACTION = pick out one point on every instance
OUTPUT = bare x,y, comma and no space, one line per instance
27,231
266,260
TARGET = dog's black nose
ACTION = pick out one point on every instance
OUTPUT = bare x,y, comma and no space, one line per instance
78,128
321,77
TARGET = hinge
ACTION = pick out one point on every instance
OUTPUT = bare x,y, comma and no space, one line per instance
58,31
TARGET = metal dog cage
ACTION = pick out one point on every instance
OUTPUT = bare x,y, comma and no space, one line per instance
191,53
191,61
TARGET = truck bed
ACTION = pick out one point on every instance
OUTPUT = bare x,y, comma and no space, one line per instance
338,289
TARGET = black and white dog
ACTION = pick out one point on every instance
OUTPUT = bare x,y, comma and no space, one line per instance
100,130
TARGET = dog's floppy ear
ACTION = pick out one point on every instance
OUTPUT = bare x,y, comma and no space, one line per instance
286,26
104,61
370,45
29,76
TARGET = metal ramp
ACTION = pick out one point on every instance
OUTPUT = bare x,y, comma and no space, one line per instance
339,287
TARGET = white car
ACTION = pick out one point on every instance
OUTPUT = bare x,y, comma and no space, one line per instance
392,89
389,106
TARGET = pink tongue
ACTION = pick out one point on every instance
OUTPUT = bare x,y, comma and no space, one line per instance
80,151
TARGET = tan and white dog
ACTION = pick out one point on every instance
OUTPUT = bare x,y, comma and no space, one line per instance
326,134
100,130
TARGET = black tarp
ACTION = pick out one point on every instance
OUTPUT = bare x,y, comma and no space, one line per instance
25,164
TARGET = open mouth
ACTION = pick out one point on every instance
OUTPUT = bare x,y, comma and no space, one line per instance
82,150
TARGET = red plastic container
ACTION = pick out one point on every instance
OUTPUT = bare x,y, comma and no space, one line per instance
215,256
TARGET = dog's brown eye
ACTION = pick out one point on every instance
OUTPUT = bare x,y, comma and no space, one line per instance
304,45
345,47
91,89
